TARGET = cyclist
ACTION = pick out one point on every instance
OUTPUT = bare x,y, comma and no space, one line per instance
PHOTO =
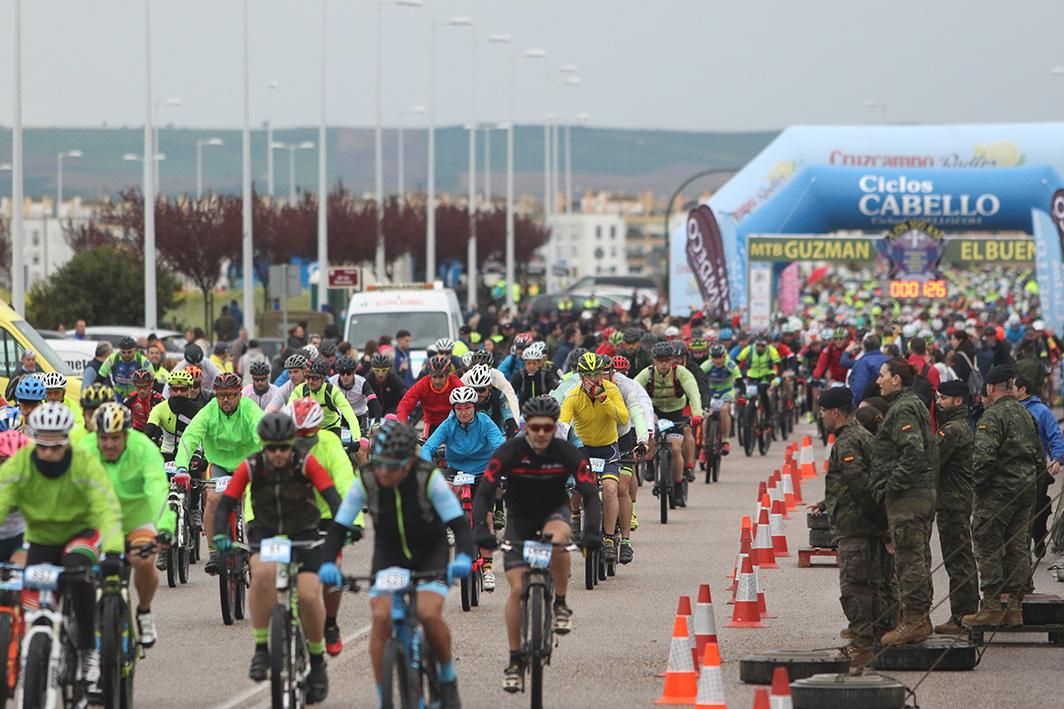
495,379
55,390
412,506
632,349
198,392
672,388
261,391
444,347
121,365
14,527
71,511
432,392
335,407
194,357
327,449
29,394
491,400
762,365
699,352
595,410
513,363
357,389
387,384
96,395
722,376
294,367
137,473
632,438
535,379
621,368
143,399
469,437
226,428
537,467
168,419
282,479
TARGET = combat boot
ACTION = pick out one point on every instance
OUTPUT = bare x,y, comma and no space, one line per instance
990,613
914,628
1014,611
860,658
950,627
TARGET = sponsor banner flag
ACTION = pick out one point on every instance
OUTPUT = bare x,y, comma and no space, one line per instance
705,257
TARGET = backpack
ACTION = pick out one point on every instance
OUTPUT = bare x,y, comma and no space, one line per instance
677,390
422,472
975,378
922,387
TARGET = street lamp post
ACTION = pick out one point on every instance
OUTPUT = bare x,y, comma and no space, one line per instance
292,148
212,142
59,179
269,147
509,128
18,274
247,250
582,117
151,310
323,197
173,102
419,109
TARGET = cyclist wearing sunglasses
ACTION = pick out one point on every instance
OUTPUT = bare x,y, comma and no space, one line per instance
282,478
491,400
387,384
357,390
260,390
432,392
412,506
535,379
335,407
143,399
168,419
537,466
294,369
227,430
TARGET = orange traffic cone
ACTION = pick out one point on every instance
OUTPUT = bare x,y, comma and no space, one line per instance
805,458
775,492
775,524
827,451
762,490
762,607
780,697
762,547
705,623
744,532
796,482
761,700
746,614
710,680
788,489
683,608
681,686
745,552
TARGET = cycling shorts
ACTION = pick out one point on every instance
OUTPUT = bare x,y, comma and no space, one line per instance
86,542
626,444
724,395
9,546
310,560
521,529
435,558
611,458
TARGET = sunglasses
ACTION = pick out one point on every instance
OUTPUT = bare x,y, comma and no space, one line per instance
274,447
541,427
314,377
482,390
178,389
381,370
254,379
226,395
51,444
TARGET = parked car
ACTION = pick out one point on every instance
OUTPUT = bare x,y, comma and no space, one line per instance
620,288
172,339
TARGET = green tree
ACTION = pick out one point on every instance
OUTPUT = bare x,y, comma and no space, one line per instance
104,285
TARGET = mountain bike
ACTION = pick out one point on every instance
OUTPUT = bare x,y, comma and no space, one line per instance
409,671
234,574
175,561
711,439
664,487
537,609
472,585
119,642
11,628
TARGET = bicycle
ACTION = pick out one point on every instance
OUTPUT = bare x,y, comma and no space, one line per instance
712,441
119,641
11,628
472,585
234,573
178,556
664,487
409,672
537,610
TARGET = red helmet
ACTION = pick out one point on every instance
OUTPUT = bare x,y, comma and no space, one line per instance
11,441
524,340
307,414
227,380
621,364
143,376
196,373
439,364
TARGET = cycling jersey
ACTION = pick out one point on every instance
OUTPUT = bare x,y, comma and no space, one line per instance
140,482
334,407
227,439
390,391
469,446
329,451
57,509
762,365
497,409
121,372
141,407
528,386
721,380
360,395
284,393
435,403
261,400
167,422
672,391
511,365
640,408
595,422
502,385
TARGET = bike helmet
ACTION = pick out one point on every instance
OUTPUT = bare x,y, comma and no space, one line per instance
463,395
306,414
575,357
227,380
276,428
54,380
50,418
11,441
541,406
259,368
193,354
396,442
698,344
616,337
483,357
621,364
605,363
479,377
112,417
10,418
672,331
726,334
523,340
29,389
295,361
439,364
99,394
344,363
327,348
537,350
589,363
310,352
632,335
180,377
196,373
127,343
662,350
320,366
717,351
143,376
379,360
679,348
444,344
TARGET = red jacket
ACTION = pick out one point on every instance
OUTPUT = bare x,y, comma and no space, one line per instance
932,374
436,405
828,364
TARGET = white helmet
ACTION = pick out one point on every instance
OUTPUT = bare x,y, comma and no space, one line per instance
463,395
310,352
305,412
467,359
672,331
444,344
50,418
479,376
1038,325
54,380
537,350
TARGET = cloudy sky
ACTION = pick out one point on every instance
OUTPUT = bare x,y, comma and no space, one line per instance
672,64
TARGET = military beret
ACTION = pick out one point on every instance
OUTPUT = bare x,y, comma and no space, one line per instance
836,398
953,388
999,374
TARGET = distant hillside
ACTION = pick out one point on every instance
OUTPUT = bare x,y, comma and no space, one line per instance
619,160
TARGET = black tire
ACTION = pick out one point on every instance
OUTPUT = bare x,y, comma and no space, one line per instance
466,593
223,592
35,678
712,447
764,439
197,538
111,651
396,683
477,582
950,654
538,642
8,643
821,539
748,430
843,692
171,567
663,475
600,565
280,683
240,587
758,669
590,572
184,558
820,521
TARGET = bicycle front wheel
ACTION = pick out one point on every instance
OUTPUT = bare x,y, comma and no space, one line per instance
538,640
396,684
223,591
712,447
111,650
281,680
35,679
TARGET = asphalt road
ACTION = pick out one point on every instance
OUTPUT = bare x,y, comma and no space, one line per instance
621,630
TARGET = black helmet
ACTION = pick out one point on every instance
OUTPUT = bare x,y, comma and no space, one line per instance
193,353
395,442
277,428
327,348
717,351
662,350
542,406
259,368
679,348
344,363
380,360
632,335
481,357
319,365
574,357
127,343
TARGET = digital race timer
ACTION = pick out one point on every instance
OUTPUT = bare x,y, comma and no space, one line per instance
917,289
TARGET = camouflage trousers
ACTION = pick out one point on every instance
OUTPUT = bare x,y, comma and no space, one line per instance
1000,530
910,515
861,585
955,540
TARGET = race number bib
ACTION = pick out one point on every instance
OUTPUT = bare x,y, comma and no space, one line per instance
664,425
276,549
751,390
597,464
42,577
392,579
221,483
537,554
463,479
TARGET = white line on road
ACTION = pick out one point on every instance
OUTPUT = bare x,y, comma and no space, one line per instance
250,693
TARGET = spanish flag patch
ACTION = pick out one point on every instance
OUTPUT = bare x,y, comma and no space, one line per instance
942,433
981,427
907,427
849,458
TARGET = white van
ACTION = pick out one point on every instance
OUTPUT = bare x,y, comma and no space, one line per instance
427,310
74,353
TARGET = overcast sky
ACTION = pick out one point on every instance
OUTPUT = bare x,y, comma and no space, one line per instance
673,64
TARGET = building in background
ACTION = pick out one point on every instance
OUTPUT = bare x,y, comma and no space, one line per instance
46,247
588,245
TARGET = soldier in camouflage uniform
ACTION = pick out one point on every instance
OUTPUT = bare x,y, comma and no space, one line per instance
856,522
1006,463
904,469
953,503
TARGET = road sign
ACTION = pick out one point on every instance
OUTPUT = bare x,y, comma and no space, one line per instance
284,281
345,276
